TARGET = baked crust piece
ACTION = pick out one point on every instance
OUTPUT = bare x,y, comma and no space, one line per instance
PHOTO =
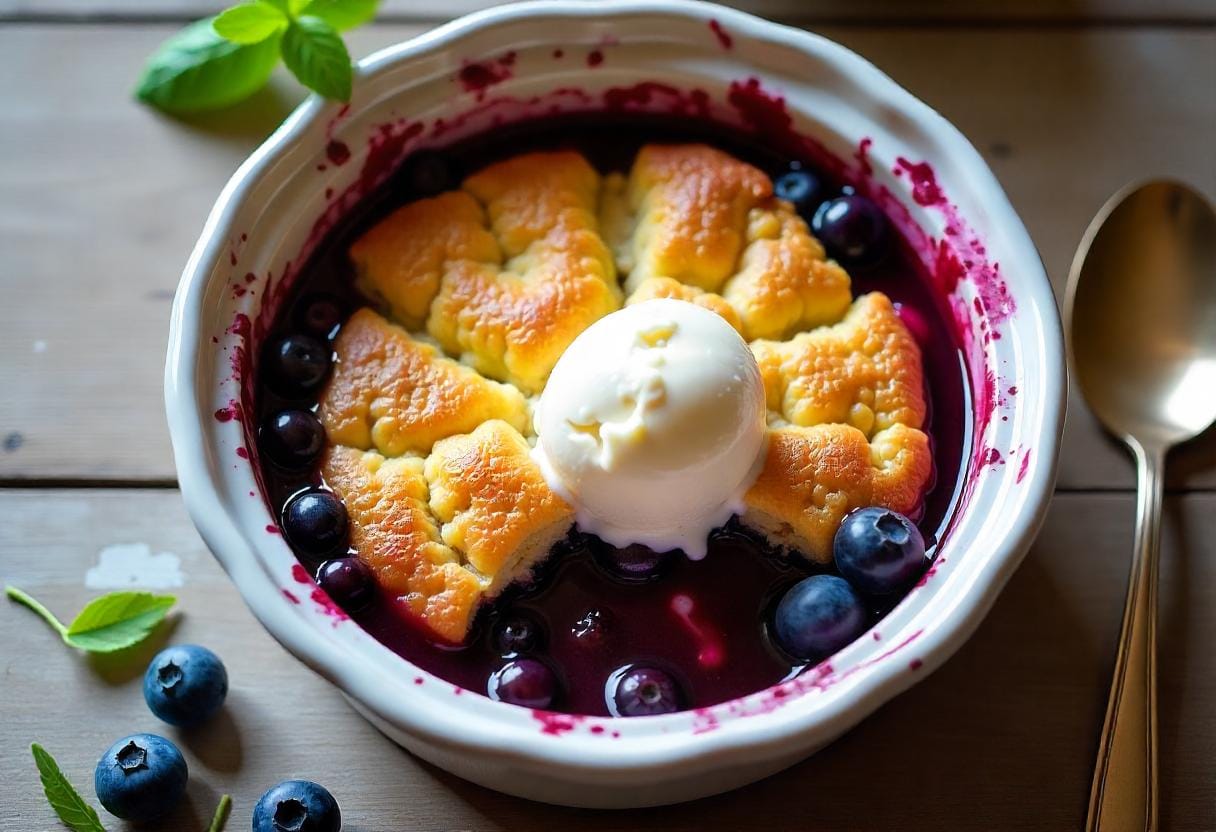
428,448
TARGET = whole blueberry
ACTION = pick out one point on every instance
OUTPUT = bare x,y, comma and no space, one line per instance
321,316
525,682
801,187
852,229
292,439
645,691
818,616
185,684
140,777
315,522
635,563
297,364
879,551
428,174
297,806
516,634
348,581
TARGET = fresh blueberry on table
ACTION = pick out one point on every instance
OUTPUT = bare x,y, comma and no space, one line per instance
297,364
818,616
526,682
348,581
292,439
635,563
140,777
297,806
800,187
645,691
879,551
315,522
516,634
322,315
185,684
852,229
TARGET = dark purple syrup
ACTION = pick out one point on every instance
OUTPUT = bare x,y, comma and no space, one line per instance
704,622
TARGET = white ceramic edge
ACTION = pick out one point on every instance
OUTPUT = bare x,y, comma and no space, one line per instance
808,723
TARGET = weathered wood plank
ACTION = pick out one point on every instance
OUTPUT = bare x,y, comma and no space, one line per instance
861,11
1001,738
101,200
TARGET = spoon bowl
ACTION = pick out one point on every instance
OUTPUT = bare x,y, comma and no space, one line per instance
1141,319
1141,313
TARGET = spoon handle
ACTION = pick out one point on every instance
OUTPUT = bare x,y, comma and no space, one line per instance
1124,793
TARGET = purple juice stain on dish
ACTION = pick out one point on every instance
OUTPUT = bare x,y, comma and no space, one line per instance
724,38
594,58
337,152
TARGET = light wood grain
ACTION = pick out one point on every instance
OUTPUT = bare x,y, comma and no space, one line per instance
1001,738
914,11
101,200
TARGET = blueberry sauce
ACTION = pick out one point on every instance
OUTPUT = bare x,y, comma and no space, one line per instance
705,624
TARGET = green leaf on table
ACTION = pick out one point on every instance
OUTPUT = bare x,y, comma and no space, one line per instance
343,14
196,69
117,621
71,808
316,55
249,23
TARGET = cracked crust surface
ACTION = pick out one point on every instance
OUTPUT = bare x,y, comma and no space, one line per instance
494,280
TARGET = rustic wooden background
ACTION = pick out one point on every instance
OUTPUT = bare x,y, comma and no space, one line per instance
101,200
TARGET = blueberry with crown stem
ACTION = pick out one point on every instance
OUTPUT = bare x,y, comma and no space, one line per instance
297,806
292,439
526,682
297,365
645,691
315,522
140,777
818,616
801,188
879,551
185,684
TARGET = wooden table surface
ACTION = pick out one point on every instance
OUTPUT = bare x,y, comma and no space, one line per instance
100,202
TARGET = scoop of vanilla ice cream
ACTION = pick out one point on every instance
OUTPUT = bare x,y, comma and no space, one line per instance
652,425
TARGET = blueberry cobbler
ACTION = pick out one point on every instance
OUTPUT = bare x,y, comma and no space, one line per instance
613,419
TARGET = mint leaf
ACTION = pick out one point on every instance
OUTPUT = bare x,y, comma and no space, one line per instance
197,70
343,14
221,814
316,55
65,800
117,621
249,22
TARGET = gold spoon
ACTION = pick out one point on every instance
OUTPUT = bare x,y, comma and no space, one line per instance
1141,316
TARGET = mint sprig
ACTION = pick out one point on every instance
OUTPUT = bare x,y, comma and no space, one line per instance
112,622
218,61
71,808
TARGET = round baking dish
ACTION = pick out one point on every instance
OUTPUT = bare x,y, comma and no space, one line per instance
697,61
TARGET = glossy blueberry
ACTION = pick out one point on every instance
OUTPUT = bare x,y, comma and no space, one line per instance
852,229
185,684
635,563
348,581
321,316
879,551
315,522
140,777
818,616
525,682
802,188
292,439
645,691
516,634
297,364
428,173
297,806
